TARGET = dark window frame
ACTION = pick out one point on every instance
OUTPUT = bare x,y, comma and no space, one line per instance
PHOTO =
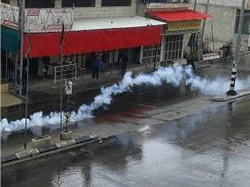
39,4
78,3
108,3
5,1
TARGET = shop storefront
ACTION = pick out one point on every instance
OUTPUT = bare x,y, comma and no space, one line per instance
182,31
103,36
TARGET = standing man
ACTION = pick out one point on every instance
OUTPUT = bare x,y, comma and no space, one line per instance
11,68
123,60
104,61
95,66
190,60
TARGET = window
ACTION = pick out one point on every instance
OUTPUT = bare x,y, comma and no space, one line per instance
39,4
173,47
149,54
78,3
165,1
5,1
116,2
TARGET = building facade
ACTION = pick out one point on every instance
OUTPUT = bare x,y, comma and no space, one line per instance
105,28
150,31
181,33
223,26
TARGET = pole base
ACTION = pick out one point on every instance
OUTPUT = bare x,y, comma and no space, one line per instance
231,93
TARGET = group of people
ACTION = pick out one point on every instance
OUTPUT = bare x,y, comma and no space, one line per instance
102,63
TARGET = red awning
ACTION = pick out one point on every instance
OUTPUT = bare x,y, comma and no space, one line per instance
79,42
179,15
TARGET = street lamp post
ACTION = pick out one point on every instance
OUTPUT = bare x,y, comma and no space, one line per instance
61,87
27,91
21,29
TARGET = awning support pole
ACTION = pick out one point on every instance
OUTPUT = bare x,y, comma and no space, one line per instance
156,48
15,78
112,68
21,23
27,94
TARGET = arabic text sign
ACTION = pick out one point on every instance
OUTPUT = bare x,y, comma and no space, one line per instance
49,20
9,15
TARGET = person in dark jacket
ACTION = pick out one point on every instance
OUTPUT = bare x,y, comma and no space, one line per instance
190,60
105,58
95,66
123,60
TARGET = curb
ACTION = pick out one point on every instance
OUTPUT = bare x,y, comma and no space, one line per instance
228,98
50,149
34,153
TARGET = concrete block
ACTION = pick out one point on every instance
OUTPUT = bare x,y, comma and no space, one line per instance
47,148
65,143
41,141
83,139
27,153
66,135
8,158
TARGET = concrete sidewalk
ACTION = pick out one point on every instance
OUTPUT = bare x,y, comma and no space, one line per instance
41,89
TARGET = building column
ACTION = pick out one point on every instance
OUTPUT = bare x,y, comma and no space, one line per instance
58,3
141,54
98,3
163,38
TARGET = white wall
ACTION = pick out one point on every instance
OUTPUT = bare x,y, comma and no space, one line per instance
223,21
98,11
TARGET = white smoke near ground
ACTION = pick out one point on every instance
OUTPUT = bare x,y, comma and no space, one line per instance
172,75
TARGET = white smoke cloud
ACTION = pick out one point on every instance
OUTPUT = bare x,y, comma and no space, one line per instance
171,75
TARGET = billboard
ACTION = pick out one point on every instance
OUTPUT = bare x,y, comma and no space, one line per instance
9,15
48,20
184,25
38,20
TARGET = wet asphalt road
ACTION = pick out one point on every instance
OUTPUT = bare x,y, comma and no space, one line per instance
139,97
211,148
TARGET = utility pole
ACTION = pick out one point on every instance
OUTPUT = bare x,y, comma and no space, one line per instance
204,22
21,28
195,2
232,91
61,82
27,91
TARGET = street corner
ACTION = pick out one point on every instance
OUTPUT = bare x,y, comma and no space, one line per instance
229,98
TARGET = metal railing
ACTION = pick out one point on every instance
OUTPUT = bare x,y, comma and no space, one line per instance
68,71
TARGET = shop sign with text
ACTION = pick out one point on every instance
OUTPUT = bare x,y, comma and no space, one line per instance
184,25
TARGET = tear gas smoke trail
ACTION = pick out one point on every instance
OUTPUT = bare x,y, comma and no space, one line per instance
171,75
